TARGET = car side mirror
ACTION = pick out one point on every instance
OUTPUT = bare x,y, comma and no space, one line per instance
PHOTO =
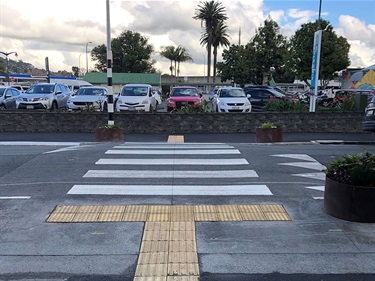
248,96
58,92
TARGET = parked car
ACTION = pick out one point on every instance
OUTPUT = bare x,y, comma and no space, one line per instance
231,99
157,95
8,97
87,98
136,97
260,95
182,96
369,121
21,88
44,96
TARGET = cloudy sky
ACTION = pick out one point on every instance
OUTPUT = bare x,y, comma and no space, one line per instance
61,29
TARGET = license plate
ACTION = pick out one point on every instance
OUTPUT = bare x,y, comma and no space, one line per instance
235,107
29,107
131,108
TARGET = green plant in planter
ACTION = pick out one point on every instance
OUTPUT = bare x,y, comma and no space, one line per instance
356,170
110,126
268,125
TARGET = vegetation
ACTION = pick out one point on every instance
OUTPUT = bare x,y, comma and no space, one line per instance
212,15
279,105
353,169
176,55
131,53
268,125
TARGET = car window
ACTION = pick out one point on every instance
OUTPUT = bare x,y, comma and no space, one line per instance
232,93
41,89
90,92
184,92
134,91
2,90
63,88
14,93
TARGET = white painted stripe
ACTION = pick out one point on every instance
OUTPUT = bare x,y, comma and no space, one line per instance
172,146
170,174
316,176
308,165
318,198
296,156
319,188
39,143
176,152
240,161
170,190
14,197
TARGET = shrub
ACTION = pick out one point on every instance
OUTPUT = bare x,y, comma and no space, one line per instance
281,105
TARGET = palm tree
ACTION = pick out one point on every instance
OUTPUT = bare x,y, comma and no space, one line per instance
182,55
169,52
220,38
210,13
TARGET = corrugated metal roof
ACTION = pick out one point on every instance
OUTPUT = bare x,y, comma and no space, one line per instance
124,78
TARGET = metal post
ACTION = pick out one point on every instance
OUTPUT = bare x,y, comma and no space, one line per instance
109,69
87,62
7,60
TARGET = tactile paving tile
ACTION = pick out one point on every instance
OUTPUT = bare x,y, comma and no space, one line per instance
272,208
184,235
89,209
158,217
182,278
205,216
154,246
153,258
151,270
229,217
136,209
110,217
182,246
58,217
154,278
249,208
277,216
66,209
113,209
227,209
253,216
159,235
134,217
86,217
182,226
156,226
205,209
175,139
183,257
183,269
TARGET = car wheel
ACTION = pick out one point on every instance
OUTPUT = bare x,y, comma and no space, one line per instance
2,107
54,105
217,109
105,107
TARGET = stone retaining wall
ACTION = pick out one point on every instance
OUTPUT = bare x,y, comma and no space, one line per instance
39,121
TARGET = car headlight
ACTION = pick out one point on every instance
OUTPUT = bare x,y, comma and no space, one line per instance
19,99
145,102
44,98
247,103
171,102
119,101
221,103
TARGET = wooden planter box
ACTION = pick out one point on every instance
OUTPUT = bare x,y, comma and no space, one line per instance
349,202
265,135
109,134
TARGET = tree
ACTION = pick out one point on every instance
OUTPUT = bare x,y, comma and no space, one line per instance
210,13
169,52
182,55
269,49
131,53
75,70
334,54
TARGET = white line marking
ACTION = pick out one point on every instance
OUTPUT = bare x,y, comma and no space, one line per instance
318,198
39,143
308,165
317,176
14,197
319,188
170,190
172,162
170,174
296,156
174,146
176,152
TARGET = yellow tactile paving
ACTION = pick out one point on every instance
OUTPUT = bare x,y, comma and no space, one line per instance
163,278
249,208
58,217
86,217
277,216
175,139
183,269
158,217
137,209
229,217
182,246
134,217
89,209
154,246
272,208
183,226
227,209
110,217
156,235
113,209
253,216
182,278
151,270
205,209
205,217
159,209
66,209
183,257
156,226
153,258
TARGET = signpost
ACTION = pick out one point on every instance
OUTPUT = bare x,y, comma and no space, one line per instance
315,69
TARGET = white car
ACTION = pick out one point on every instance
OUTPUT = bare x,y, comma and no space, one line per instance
231,99
136,97
88,98
44,96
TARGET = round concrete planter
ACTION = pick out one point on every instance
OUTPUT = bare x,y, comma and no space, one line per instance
265,135
109,134
349,202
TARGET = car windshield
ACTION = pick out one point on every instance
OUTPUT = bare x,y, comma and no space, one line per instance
2,90
89,92
184,92
232,93
40,89
134,91
276,93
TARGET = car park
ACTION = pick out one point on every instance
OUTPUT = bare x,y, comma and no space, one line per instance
21,88
231,99
136,97
8,97
369,121
260,95
89,98
182,96
44,96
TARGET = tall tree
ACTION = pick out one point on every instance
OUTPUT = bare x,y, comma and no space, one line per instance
182,55
131,53
75,70
334,54
210,13
169,52
220,38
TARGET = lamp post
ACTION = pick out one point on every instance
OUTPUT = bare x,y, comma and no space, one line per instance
87,62
79,64
7,60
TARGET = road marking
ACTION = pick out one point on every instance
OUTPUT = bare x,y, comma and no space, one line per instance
39,143
308,165
175,152
170,174
175,139
14,197
67,149
172,162
319,188
316,176
296,156
173,146
169,190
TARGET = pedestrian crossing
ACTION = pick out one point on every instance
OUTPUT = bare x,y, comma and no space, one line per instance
189,170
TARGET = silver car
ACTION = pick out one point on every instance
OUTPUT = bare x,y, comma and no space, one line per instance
44,96
8,97
88,98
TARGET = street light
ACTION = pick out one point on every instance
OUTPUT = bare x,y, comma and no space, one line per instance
79,64
87,62
7,60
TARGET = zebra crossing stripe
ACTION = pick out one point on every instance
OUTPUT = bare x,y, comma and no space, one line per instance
169,190
175,152
170,174
207,162
173,146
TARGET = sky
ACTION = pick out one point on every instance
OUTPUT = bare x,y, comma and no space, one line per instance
61,30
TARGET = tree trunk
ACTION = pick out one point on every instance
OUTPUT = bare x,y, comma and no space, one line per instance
208,62
171,69
215,60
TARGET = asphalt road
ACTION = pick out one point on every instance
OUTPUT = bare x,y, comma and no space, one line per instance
35,178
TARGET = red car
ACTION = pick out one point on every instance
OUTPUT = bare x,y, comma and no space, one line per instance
182,96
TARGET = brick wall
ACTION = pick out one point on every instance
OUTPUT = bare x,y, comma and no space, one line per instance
38,121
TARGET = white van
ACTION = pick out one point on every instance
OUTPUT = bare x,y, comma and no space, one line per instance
136,97
73,84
